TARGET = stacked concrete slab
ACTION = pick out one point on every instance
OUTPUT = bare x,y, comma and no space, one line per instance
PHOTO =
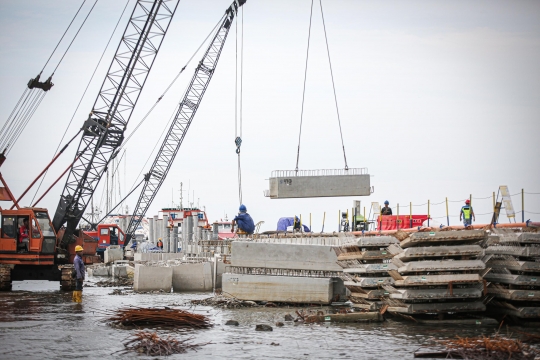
366,262
438,273
296,270
514,260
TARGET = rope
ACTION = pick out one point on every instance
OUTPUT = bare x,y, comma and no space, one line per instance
83,95
72,40
333,86
77,13
304,90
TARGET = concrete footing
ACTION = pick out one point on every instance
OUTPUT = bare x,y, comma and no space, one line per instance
196,277
152,278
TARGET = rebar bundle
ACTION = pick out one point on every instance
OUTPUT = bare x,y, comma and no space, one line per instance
173,318
490,347
153,345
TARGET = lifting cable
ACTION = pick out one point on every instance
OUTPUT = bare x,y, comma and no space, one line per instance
31,97
333,86
238,114
85,90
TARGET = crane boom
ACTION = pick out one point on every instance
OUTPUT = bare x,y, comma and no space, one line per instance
103,131
182,119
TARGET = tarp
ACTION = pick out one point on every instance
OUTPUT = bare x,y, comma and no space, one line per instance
284,222
394,222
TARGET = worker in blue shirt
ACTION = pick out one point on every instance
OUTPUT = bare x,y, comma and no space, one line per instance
80,272
467,214
244,221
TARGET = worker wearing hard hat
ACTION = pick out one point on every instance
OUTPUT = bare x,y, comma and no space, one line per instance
80,272
244,221
467,214
386,210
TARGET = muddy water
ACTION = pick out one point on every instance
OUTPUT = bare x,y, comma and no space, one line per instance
38,321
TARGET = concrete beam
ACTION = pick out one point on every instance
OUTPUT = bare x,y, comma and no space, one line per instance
284,256
443,238
439,251
419,280
442,265
278,288
319,186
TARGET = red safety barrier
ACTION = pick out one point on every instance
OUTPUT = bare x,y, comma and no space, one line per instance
394,222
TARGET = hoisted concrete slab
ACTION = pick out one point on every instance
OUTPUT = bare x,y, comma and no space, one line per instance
278,288
428,294
284,256
443,238
442,265
437,251
285,184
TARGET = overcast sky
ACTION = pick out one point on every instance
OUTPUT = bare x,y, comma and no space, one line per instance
437,99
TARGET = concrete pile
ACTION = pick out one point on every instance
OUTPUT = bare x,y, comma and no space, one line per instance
438,273
514,259
288,270
366,262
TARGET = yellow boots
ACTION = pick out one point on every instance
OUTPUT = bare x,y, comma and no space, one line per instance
77,296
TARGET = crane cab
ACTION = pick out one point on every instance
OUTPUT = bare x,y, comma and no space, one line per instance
27,237
107,235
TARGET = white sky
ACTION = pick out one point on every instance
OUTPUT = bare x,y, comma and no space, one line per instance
437,99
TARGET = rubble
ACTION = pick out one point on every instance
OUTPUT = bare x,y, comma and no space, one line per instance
153,345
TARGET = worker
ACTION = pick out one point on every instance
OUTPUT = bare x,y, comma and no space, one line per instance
244,221
23,234
467,214
386,210
296,224
80,272
160,244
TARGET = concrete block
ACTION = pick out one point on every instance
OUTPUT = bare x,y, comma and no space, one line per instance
278,288
442,265
439,251
284,256
119,271
443,238
151,278
194,277
319,186
99,271
219,275
113,253
419,280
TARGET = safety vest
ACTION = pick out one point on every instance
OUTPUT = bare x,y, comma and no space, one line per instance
466,212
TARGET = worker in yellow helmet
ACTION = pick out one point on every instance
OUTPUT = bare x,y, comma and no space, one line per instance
80,272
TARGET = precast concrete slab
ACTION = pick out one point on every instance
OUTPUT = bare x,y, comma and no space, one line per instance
370,268
366,255
373,316
193,277
528,312
517,295
432,294
278,288
439,251
419,280
438,307
369,305
286,184
371,294
443,238
369,282
152,278
99,271
526,251
376,241
442,265
514,265
529,238
284,256
513,279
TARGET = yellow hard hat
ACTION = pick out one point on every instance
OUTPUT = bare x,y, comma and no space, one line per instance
78,248
159,239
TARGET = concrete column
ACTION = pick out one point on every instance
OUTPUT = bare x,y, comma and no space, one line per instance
215,231
151,230
175,238
166,247
155,229
187,229
171,241
195,228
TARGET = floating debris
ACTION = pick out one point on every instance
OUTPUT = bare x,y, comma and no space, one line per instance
173,318
153,345
224,302
124,281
